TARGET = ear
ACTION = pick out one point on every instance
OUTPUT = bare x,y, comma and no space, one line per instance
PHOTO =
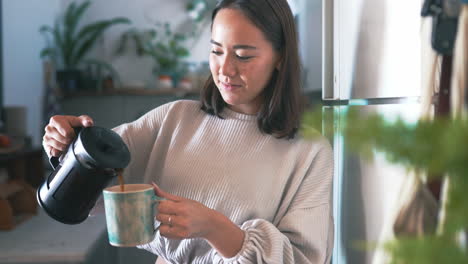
279,62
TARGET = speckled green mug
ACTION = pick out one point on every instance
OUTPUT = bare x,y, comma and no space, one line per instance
130,214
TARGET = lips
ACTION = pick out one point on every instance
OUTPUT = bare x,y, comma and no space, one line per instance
229,86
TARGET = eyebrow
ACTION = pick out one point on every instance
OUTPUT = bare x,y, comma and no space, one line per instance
240,46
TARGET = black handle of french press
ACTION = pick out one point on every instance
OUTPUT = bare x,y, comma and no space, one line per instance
55,161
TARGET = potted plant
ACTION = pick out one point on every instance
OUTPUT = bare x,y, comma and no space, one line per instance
164,46
68,44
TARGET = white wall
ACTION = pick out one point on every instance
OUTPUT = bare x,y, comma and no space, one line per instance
377,50
22,67
310,42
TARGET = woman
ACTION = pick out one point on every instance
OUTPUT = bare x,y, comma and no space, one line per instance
241,185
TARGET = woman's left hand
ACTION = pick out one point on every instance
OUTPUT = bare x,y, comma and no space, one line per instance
183,218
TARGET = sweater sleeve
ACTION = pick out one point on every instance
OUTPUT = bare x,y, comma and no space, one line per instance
305,233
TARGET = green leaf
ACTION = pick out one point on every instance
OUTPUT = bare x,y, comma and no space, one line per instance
189,6
100,26
182,52
46,29
152,34
172,44
162,48
426,250
59,43
179,37
167,28
90,33
105,66
123,39
69,12
46,52
71,20
73,17
140,45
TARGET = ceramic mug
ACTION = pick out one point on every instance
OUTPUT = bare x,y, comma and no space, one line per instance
130,214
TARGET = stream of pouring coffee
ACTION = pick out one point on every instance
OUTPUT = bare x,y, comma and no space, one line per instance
121,180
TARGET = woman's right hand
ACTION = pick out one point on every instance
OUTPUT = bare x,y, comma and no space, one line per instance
59,133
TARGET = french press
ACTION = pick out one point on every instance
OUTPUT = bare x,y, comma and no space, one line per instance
81,173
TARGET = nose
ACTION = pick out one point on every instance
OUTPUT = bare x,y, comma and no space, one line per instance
227,67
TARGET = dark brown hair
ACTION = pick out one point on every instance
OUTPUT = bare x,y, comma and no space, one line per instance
281,111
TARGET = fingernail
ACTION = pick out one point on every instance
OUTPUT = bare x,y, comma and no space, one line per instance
88,123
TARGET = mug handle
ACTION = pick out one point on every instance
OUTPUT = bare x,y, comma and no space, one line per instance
156,199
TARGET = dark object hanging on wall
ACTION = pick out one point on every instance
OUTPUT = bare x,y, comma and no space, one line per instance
444,30
444,23
445,15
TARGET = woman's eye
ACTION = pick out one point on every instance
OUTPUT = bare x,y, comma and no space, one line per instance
216,52
244,58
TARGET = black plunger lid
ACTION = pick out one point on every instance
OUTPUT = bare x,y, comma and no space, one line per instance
105,147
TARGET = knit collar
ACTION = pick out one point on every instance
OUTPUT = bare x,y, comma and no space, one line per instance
231,114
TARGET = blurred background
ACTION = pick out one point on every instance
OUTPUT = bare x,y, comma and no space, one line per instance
116,60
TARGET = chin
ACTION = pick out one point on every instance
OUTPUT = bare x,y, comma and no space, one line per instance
229,98
231,101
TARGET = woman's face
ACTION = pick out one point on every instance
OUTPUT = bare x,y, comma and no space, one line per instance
242,61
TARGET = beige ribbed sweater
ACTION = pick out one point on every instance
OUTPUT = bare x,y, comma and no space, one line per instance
278,191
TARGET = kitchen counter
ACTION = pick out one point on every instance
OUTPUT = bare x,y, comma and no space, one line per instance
43,240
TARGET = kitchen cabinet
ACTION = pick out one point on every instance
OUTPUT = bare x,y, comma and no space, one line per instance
25,164
112,109
22,171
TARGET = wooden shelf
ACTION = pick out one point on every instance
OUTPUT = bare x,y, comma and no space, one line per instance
25,164
135,91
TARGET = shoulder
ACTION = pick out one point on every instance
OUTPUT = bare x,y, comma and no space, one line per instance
314,146
155,118
178,107
181,104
